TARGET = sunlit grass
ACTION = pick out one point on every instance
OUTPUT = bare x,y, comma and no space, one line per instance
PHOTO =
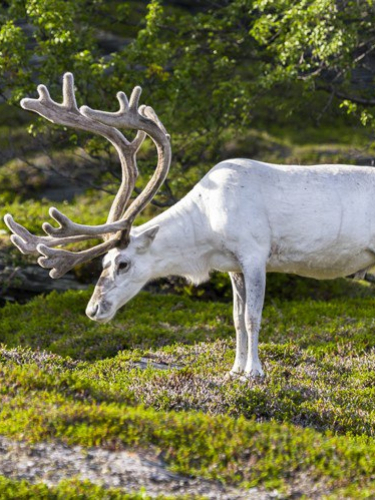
65,377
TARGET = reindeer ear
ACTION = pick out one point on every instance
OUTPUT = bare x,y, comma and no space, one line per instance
144,240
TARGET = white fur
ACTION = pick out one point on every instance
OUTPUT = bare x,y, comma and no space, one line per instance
247,218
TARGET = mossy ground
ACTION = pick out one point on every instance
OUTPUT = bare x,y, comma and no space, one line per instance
71,490
65,377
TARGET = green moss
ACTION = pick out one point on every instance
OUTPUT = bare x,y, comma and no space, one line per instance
70,490
354,491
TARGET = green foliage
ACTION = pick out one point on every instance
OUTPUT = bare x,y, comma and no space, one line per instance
307,37
57,39
208,72
12,50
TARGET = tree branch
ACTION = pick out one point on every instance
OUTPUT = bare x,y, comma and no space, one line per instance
341,95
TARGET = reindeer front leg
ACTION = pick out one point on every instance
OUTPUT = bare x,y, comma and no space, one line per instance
255,284
239,304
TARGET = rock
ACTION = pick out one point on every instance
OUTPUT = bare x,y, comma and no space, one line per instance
128,470
22,283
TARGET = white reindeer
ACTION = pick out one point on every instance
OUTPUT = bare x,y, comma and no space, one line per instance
244,217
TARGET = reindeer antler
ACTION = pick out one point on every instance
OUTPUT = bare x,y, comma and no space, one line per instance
118,224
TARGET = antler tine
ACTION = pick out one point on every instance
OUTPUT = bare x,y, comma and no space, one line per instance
69,228
69,96
61,261
43,95
134,98
27,242
128,116
132,105
123,101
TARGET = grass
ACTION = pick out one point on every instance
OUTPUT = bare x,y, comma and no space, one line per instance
64,377
304,146
69,490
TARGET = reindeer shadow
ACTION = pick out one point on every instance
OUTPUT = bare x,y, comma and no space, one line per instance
57,323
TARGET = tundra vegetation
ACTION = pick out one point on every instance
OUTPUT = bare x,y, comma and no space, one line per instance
268,80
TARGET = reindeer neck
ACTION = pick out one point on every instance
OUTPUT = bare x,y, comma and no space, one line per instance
182,245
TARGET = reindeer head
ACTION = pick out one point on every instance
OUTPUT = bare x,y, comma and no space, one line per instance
123,275
125,272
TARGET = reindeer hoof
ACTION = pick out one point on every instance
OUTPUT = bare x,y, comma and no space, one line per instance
253,374
233,375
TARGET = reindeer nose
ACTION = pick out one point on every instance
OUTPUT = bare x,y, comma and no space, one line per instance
91,310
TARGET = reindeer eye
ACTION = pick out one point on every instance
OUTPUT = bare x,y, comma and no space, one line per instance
123,266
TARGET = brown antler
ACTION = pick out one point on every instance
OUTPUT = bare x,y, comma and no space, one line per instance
58,260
